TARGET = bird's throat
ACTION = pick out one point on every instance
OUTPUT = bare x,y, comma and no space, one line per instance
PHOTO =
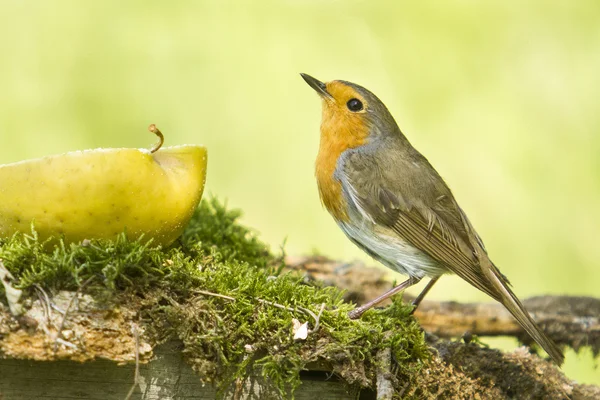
338,134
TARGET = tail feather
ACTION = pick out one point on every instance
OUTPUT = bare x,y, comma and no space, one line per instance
500,286
515,307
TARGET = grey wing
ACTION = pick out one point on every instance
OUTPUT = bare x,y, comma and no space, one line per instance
444,233
417,205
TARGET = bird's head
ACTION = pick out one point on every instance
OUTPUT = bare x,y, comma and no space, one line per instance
351,113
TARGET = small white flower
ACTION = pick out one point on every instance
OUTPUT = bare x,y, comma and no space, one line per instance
300,330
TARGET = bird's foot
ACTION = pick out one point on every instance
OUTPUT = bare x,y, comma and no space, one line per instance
356,313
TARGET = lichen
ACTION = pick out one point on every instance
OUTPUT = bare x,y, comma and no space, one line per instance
222,293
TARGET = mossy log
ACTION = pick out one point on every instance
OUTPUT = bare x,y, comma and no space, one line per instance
94,357
217,315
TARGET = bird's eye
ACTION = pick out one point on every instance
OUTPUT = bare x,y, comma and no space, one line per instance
354,105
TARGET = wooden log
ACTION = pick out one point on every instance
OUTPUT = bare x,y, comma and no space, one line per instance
166,377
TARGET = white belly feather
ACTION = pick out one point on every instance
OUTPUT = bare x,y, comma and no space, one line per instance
391,251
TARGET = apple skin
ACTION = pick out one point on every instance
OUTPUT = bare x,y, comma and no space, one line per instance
100,193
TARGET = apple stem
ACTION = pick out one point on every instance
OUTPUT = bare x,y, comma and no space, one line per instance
161,139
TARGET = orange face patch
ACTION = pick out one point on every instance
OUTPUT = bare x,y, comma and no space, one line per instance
341,129
341,93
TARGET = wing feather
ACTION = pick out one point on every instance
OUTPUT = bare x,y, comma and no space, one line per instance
437,229
434,224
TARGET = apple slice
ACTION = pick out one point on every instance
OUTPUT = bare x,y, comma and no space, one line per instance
102,192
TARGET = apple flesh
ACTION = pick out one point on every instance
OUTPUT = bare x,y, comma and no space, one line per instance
101,193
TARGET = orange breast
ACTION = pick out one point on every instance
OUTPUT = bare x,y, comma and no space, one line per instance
339,132
330,190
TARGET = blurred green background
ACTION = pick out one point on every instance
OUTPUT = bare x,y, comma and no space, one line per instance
502,97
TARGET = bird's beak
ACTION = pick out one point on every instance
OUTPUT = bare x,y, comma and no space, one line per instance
316,84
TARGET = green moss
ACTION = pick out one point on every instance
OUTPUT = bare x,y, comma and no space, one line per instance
178,289
213,226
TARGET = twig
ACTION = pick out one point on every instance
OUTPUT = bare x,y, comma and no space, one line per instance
572,321
319,317
298,308
136,375
222,296
271,303
57,309
385,388
45,303
170,300
64,318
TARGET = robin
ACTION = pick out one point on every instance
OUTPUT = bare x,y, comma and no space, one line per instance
393,204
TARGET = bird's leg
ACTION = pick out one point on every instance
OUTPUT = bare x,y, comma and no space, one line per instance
357,312
421,295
